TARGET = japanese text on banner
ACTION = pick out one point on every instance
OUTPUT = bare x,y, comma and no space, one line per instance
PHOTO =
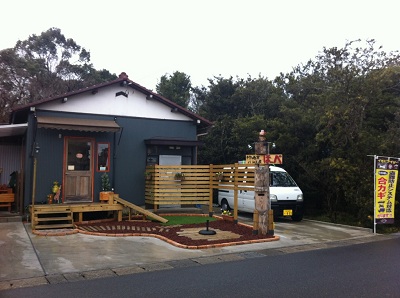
385,187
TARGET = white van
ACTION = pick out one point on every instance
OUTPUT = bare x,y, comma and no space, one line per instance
286,197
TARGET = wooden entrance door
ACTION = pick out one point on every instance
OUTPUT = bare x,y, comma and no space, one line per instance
78,179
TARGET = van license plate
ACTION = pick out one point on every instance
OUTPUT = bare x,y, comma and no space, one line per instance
288,212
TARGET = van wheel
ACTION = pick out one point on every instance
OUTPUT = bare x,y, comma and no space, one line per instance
225,205
297,216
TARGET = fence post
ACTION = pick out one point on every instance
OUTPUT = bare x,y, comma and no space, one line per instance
235,191
210,200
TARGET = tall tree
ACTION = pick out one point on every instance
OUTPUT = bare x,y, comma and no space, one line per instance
350,96
239,98
217,99
175,87
43,66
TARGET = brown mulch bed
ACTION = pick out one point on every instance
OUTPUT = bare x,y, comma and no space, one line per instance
245,233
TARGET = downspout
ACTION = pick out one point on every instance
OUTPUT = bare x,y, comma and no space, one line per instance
21,178
196,148
115,153
114,162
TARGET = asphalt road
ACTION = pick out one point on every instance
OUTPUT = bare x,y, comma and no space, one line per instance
362,270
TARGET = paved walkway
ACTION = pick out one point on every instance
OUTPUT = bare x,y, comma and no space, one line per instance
29,260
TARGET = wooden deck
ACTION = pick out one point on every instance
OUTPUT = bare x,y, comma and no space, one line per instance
51,216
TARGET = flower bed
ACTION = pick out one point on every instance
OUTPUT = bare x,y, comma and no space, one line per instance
242,234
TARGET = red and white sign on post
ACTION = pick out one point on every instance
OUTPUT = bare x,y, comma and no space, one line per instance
264,159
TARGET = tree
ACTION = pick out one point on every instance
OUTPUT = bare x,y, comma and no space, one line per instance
230,139
175,87
217,99
240,109
42,66
239,98
348,99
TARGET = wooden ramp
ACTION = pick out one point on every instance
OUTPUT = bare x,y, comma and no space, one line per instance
140,210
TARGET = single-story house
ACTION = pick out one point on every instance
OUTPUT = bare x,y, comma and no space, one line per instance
118,127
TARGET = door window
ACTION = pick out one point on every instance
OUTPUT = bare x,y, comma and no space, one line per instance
79,155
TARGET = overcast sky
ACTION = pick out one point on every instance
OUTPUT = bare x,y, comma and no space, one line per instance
206,38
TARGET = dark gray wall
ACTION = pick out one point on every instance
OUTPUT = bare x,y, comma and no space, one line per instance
130,157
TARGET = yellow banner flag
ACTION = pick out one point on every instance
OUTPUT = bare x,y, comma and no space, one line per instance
385,188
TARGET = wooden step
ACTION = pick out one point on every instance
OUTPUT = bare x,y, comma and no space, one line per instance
54,226
52,212
53,218
51,207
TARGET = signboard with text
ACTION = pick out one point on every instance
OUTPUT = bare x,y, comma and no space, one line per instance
386,173
264,159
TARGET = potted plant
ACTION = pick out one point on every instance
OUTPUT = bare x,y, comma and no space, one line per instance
148,175
105,187
227,215
219,176
56,191
179,176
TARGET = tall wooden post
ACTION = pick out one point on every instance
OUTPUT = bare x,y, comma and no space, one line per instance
36,150
261,188
33,191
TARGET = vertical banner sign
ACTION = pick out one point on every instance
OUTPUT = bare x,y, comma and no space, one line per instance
386,173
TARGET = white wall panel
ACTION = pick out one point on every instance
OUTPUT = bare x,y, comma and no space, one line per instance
106,103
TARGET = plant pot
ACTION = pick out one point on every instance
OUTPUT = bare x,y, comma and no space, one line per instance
50,199
228,218
218,178
105,196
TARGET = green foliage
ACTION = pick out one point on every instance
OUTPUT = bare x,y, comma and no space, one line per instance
231,138
217,99
43,66
176,88
105,182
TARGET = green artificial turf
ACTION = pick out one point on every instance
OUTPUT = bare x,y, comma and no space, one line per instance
185,220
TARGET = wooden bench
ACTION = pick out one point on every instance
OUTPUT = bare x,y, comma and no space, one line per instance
6,199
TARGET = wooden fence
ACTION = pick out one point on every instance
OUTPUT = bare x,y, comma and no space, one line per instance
194,184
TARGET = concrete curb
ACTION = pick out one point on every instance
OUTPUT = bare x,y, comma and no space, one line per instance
339,225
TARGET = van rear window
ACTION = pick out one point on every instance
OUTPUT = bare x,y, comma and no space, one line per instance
281,179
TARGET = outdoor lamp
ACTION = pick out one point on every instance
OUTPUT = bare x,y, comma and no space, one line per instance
37,148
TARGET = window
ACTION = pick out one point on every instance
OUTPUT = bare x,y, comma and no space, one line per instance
281,179
79,154
103,157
